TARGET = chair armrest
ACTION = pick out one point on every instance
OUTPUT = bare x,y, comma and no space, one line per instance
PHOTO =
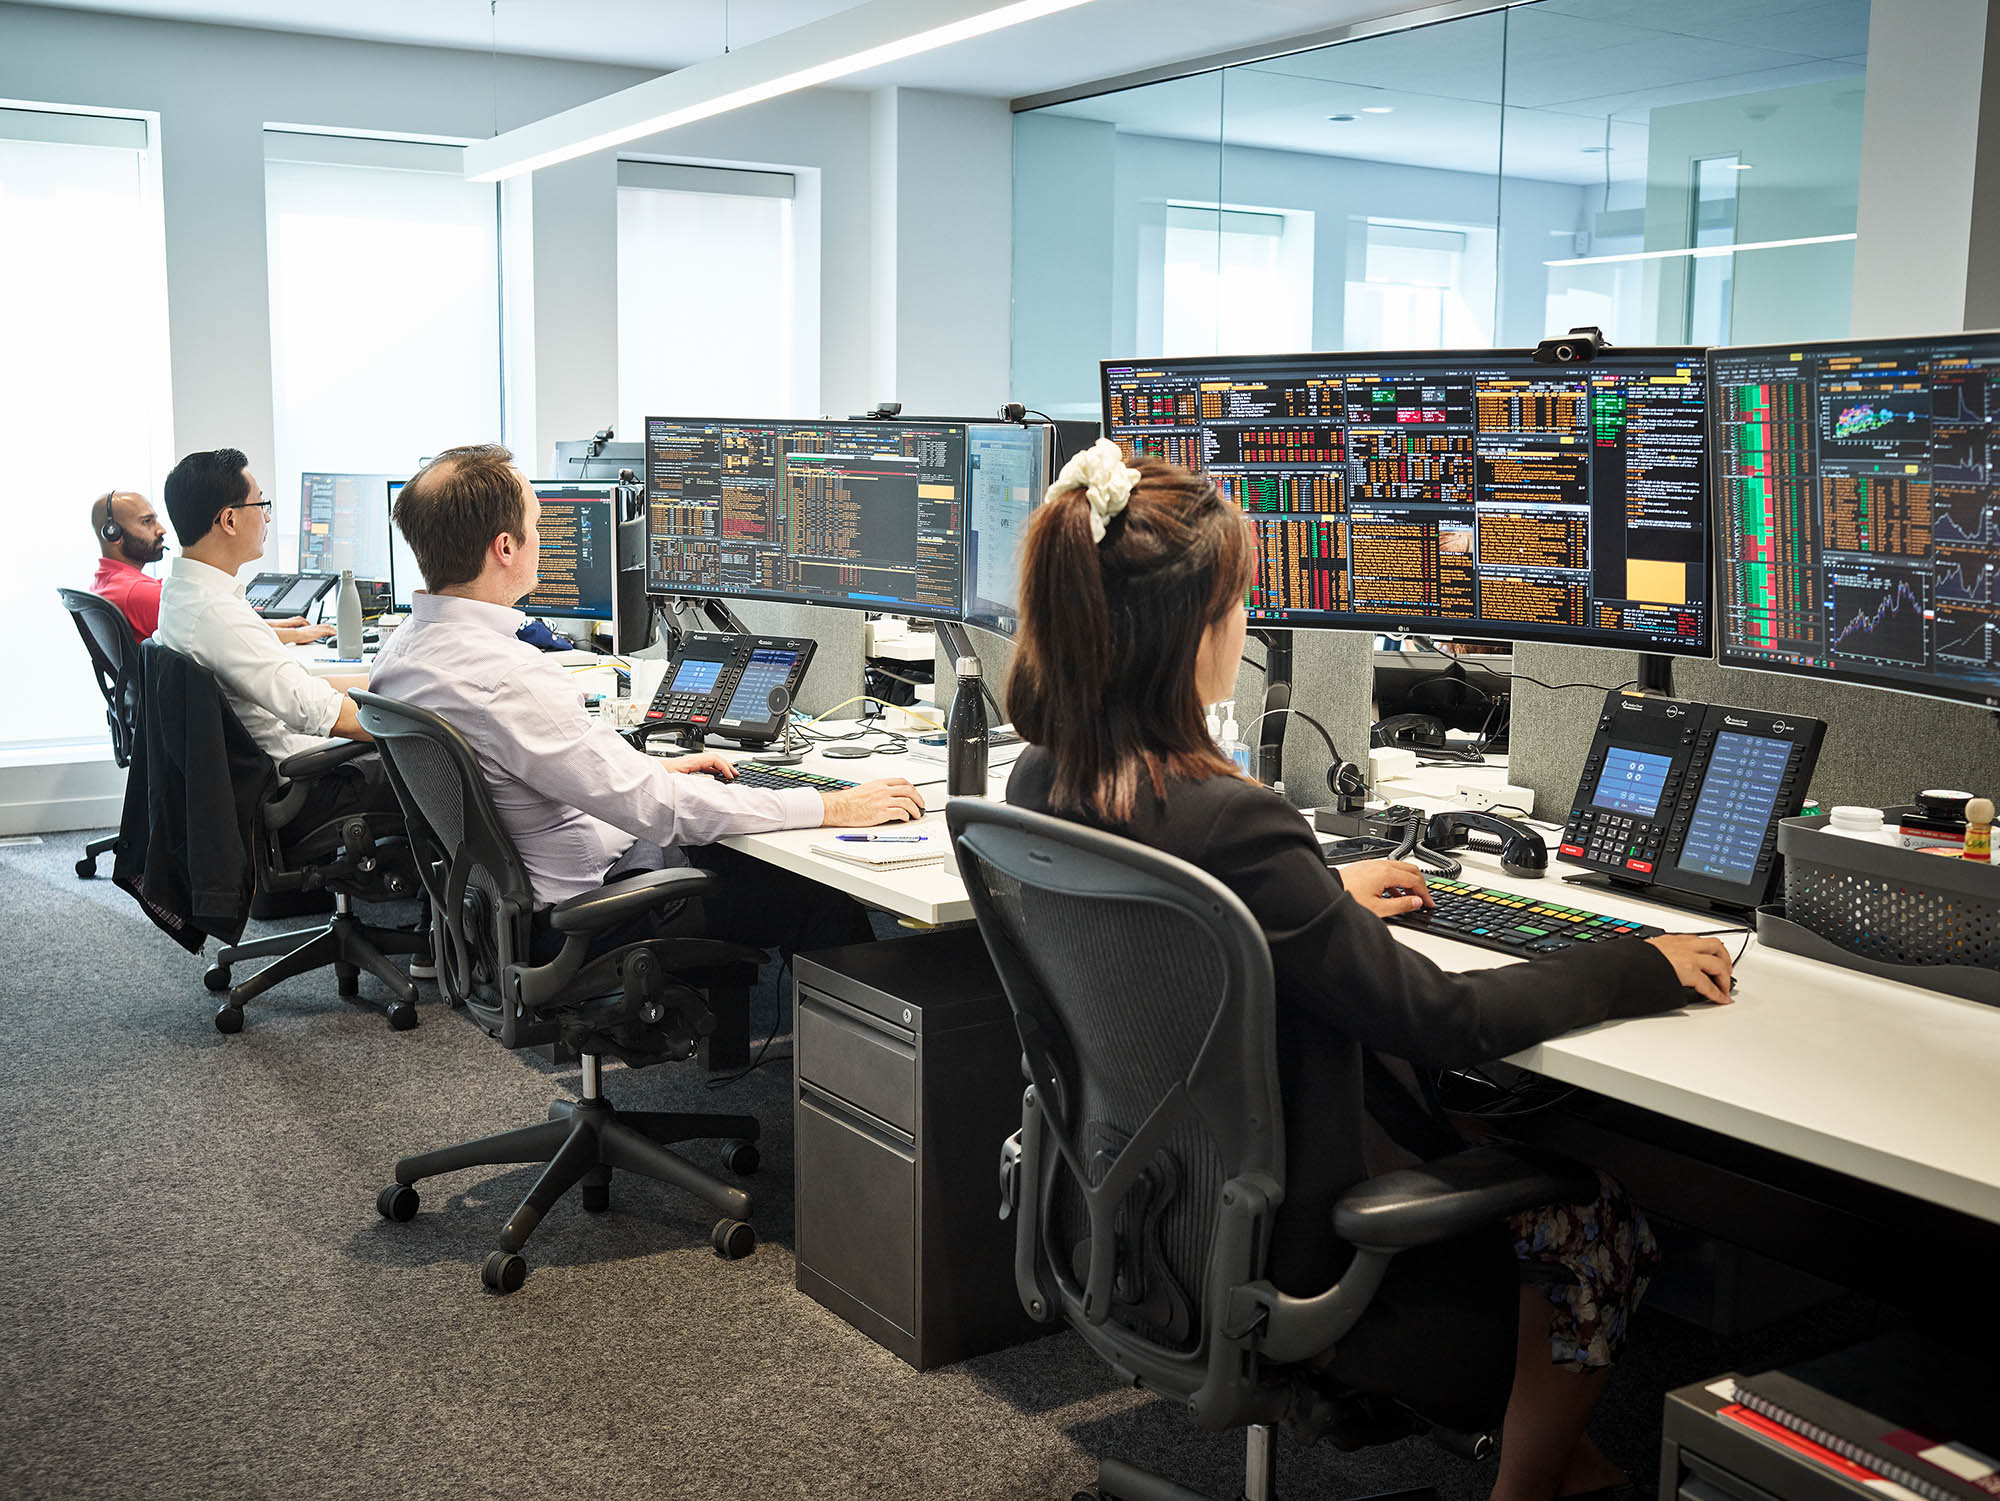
1420,1206
322,759
594,911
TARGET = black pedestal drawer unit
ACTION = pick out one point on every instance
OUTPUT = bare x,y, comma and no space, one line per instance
908,1079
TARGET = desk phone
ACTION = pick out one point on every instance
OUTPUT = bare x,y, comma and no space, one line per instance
279,596
728,684
1687,796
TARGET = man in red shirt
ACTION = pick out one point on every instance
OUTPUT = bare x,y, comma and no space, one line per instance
130,535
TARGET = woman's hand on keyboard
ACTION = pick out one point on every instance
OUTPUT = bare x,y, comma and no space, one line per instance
1388,888
709,761
889,800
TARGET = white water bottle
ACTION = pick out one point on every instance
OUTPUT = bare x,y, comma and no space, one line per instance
347,618
1232,744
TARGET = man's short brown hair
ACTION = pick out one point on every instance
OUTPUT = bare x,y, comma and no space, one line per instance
457,504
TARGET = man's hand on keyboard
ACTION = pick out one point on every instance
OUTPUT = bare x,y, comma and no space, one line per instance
890,800
1388,888
715,764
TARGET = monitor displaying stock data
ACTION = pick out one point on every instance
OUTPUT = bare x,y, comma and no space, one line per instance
1007,474
578,568
341,524
1858,534
1459,493
868,515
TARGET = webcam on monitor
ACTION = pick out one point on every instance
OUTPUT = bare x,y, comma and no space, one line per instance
1577,347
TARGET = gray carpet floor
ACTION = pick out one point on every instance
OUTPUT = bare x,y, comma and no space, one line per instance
202,1301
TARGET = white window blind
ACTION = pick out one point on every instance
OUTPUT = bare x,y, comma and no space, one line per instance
385,311
1236,281
85,400
707,296
1413,291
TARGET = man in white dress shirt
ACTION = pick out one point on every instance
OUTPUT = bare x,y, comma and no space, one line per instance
222,519
581,804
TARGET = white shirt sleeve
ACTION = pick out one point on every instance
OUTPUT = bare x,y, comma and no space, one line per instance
246,654
553,746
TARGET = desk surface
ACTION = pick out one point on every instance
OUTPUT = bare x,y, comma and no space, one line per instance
1885,1082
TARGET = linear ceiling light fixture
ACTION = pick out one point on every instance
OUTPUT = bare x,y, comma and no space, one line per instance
1696,252
852,41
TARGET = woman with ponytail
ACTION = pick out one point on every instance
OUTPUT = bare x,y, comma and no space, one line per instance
1133,578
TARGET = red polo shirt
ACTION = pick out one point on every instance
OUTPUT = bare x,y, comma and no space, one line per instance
133,590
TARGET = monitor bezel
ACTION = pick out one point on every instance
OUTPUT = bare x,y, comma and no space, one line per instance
1482,630
1838,676
909,611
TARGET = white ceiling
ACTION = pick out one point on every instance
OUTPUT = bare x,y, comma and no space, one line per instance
1098,40
1577,74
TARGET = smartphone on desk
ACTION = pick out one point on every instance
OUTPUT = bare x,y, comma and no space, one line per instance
1361,847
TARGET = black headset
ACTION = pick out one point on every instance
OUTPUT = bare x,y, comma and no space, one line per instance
111,531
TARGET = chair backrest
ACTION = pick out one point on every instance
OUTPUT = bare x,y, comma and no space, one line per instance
1152,1139
114,659
482,902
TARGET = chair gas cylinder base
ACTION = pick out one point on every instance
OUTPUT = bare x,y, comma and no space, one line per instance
346,942
582,1142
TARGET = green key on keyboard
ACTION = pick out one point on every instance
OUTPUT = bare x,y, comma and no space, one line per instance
754,774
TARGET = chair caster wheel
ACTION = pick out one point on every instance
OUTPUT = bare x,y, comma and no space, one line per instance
1085,1496
732,1239
229,1020
402,1016
596,1197
504,1272
397,1202
216,978
741,1158
86,869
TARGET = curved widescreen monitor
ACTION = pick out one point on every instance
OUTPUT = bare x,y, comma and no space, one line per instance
1858,534
868,515
1459,493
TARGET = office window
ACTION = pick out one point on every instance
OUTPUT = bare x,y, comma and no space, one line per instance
1713,215
85,403
1236,281
708,304
1413,291
385,311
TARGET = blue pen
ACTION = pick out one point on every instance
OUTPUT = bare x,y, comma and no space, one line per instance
883,838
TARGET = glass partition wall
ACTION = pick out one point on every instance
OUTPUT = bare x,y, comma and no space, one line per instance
1679,175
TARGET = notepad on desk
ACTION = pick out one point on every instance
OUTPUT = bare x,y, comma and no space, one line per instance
883,851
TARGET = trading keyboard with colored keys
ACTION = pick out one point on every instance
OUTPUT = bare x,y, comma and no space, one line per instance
754,774
1511,924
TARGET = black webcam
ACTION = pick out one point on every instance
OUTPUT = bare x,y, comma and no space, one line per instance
1577,347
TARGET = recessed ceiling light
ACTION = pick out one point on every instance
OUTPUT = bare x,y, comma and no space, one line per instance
1340,119
1378,109
1739,166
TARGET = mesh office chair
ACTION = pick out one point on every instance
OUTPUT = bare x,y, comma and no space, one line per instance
356,857
1147,1173
641,1002
114,661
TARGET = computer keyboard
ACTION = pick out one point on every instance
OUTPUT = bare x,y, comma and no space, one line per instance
1525,926
751,774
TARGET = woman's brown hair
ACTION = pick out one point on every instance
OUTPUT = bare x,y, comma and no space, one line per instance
1104,671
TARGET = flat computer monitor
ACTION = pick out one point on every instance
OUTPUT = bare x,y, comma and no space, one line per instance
579,563
866,515
1459,493
1007,473
1857,493
579,554
341,524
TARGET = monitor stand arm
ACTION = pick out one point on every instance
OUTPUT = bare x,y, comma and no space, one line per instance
1656,673
718,613
1277,695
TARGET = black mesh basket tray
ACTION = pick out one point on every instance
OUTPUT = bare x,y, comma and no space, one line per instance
1922,919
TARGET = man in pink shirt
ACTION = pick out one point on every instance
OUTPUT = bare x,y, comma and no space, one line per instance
129,535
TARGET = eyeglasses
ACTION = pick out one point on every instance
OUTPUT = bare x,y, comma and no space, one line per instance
244,505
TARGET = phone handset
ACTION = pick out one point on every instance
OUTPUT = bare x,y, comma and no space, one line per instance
1522,852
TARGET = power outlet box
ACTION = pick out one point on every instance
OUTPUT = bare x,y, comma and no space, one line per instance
1519,801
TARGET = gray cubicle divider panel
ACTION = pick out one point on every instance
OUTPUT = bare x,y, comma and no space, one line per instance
835,673
996,658
1881,748
1333,679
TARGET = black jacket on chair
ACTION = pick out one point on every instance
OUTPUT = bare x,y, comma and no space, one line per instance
195,784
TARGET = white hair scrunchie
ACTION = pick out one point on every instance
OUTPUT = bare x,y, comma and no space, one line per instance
1100,471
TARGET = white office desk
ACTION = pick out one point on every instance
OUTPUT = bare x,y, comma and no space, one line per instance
1885,1082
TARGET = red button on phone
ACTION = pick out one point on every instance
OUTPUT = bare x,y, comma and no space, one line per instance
1570,849
1644,867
